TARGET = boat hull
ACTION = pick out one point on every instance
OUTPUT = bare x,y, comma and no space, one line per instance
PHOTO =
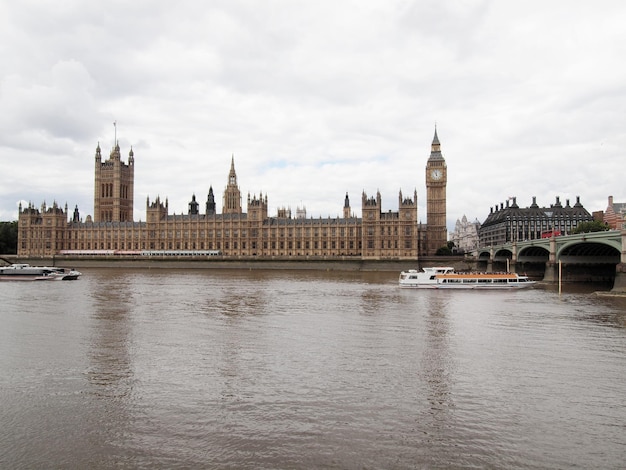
511,286
30,278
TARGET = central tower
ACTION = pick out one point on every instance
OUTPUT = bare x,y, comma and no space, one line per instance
232,195
436,181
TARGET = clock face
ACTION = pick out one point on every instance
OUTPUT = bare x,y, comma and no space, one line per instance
436,174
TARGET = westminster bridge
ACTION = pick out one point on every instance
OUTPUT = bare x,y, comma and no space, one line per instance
586,257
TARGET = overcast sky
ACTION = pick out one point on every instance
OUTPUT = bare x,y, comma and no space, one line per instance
315,99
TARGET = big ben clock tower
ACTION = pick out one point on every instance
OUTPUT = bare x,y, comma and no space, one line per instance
436,180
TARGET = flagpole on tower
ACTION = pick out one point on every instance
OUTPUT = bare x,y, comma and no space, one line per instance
115,127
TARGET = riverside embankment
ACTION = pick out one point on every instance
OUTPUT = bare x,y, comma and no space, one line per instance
458,262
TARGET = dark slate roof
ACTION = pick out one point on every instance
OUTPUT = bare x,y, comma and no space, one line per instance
555,211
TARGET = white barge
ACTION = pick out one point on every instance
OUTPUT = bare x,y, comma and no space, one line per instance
444,277
26,272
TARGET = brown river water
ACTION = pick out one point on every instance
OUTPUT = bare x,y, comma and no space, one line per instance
306,369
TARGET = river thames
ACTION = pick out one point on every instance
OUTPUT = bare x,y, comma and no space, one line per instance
306,369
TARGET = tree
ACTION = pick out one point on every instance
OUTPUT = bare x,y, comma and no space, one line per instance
8,238
586,227
443,251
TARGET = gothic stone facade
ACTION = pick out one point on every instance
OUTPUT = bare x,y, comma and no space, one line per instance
465,235
377,235
113,187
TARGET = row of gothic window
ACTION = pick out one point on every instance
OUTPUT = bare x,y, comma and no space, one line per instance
107,190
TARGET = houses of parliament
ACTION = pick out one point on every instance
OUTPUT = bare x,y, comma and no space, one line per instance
234,233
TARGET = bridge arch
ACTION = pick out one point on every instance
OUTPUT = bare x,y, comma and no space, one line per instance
533,254
502,254
586,252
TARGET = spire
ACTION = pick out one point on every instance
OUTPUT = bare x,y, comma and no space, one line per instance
232,175
210,202
435,148
193,205
232,195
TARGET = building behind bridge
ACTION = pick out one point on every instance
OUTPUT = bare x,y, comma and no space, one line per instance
509,222
615,214
465,235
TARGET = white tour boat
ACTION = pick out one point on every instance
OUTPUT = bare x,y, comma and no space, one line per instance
444,277
26,272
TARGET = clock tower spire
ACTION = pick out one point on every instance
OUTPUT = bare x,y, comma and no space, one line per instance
436,181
